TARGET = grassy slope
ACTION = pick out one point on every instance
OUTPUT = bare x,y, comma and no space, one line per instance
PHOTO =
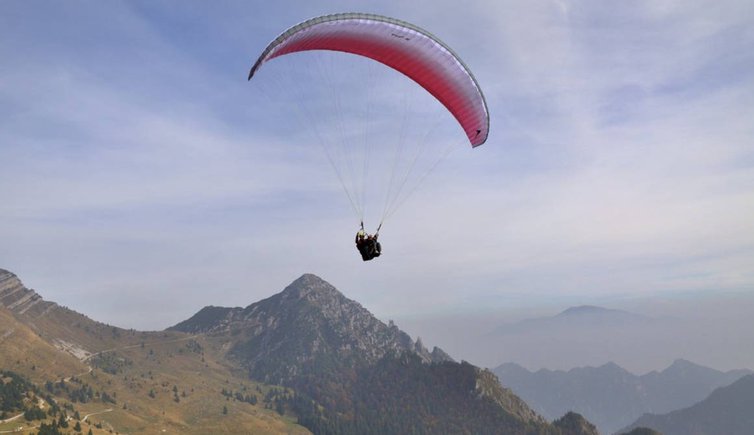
24,352
166,359
160,367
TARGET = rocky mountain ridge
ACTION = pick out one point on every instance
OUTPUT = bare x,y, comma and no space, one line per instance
312,317
356,374
15,297
60,326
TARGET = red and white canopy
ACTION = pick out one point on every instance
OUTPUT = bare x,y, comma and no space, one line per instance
402,46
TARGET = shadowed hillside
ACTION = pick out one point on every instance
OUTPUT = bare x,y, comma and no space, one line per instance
728,410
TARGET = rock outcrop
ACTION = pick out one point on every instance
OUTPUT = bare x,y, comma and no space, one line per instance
15,297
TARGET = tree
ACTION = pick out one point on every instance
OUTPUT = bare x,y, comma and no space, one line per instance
225,410
77,427
62,421
49,429
107,398
34,414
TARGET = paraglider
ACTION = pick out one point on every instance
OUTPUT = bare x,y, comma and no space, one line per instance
367,244
403,47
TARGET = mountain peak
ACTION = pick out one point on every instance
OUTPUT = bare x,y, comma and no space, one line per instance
614,369
311,287
682,367
308,279
584,309
601,314
575,423
683,363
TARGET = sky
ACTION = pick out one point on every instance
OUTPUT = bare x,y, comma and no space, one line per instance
143,177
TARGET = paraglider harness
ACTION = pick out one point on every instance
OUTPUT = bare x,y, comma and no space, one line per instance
367,244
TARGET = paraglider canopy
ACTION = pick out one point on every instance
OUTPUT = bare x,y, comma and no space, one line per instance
400,45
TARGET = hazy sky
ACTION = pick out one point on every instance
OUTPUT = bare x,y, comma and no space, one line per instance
142,177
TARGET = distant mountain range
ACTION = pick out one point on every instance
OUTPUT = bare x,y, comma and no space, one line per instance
582,316
590,336
610,396
305,359
728,410
577,336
